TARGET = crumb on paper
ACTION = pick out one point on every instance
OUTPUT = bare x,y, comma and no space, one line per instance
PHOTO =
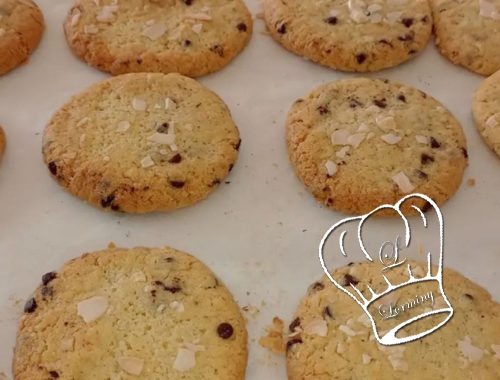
420,249
3,375
252,310
273,341
471,182
111,245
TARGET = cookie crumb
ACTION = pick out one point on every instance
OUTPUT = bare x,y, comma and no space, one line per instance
471,182
273,341
111,245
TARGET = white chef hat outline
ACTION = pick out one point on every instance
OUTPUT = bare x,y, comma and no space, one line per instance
390,339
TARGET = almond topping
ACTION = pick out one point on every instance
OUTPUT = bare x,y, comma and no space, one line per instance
391,139
331,168
123,126
147,162
139,104
317,327
403,183
90,29
131,365
92,308
155,31
471,352
185,360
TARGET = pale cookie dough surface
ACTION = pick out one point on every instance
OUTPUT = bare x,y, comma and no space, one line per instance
131,314
486,111
351,35
142,142
359,143
21,28
191,37
331,337
3,142
468,33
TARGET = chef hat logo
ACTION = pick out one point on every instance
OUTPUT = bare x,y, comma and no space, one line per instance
389,338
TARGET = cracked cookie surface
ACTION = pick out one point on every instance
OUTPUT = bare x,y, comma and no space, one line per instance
193,38
351,35
331,337
148,313
142,142
21,28
359,143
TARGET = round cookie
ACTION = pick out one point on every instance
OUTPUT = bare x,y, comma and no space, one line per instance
21,28
331,337
486,111
131,313
190,37
359,143
476,22
3,142
142,142
351,35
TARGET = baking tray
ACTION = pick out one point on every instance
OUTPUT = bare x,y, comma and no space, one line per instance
259,233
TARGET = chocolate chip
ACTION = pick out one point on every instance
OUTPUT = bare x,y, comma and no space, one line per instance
187,42
421,174
175,159
153,293
381,103
171,289
317,286
53,167
349,280
242,27
139,60
218,49
402,98
30,306
322,110
215,182
406,38
231,166
425,19
108,201
48,277
407,22
426,159
115,207
434,143
361,57
350,264
54,374
465,153
427,207
163,128
469,296
327,312
385,42
299,101
281,29
47,291
329,202
412,52
169,259
294,324
331,20
177,184
354,103
225,330
237,146
292,343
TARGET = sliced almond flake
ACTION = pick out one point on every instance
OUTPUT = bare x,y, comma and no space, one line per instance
197,28
393,17
175,36
440,109
375,18
198,16
418,272
194,347
350,323
177,306
147,162
139,104
398,363
496,349
92,308
370,135
162,138
340,348
343,152
422,139
347,330
385,122
174,148
439,303
106,158
403,183
67,344
161,308
90,29
163,152
364,320
76,17
147,288
123,126
331,168
131,365
69,155
153,32
138,277
317,326
374,8
366,359
469,351
356,139
334,13
185,360
363,128
170,104
340,137
487,8
391,139
492,122
107,13
82,121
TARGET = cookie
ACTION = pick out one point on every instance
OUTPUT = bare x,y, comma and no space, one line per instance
475,23
142,142
190,37
331,337
486,111
351,35
21,28
3,142
359,143
131,313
